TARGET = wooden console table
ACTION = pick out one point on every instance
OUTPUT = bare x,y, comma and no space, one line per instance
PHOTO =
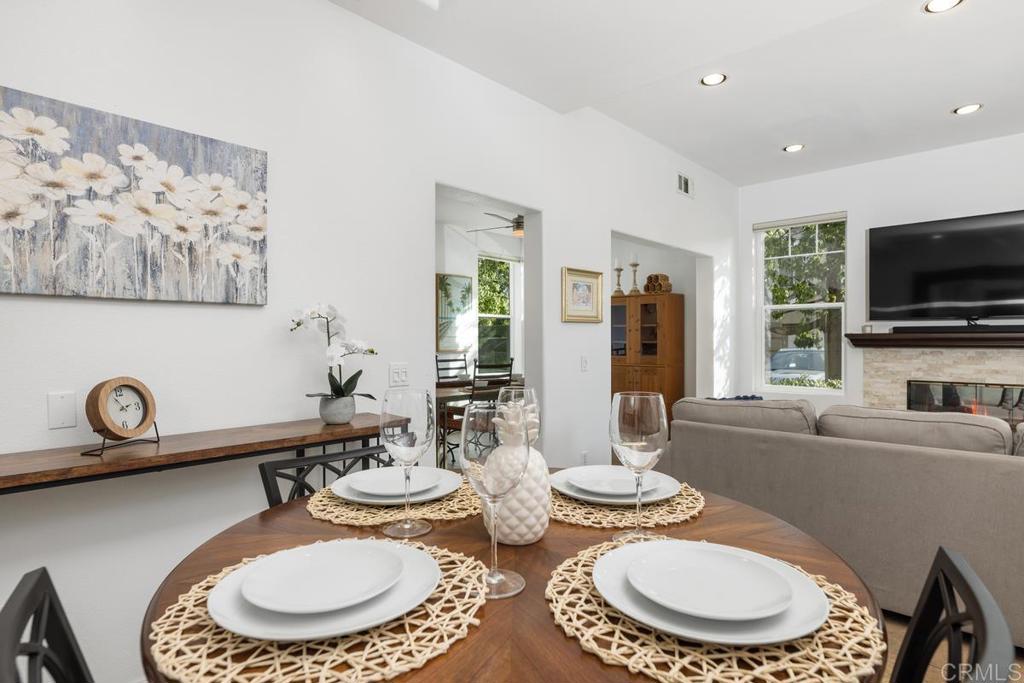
59,466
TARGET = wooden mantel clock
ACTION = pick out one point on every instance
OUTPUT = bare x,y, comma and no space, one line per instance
120,409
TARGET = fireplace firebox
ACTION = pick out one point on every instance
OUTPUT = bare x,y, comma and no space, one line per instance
1005,401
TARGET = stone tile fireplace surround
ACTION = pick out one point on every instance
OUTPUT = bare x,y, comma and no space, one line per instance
888,369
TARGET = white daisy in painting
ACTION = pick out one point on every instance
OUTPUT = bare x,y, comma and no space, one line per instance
136,156
101,212
56,185
9,152
147,209
215,183
20,216
211,211
184,228
13,187
171,180
102,177
21,124
231,254
253,227
241,202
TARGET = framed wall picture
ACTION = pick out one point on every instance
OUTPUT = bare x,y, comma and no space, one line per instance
455,323
94,204
582,296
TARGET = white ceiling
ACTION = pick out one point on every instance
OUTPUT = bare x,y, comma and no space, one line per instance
853,80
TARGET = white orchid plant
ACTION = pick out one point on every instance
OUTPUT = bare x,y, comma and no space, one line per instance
324,319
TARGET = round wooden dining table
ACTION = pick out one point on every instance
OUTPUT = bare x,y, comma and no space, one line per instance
517,639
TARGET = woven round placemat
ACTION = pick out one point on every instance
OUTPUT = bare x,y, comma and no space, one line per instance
847,646
324,504
680,508
189,647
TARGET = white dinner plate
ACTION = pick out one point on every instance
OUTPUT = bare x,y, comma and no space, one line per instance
448,482
705,581
321,577
664,487
609,480
231,611
390,481
807,611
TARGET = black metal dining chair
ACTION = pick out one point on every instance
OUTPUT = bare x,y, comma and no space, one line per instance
488,379
451,367
954,597
36,637
298,472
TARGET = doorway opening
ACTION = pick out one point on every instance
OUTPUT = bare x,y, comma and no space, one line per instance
661,331
487,284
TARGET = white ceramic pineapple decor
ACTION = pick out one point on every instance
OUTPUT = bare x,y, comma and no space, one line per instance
523,516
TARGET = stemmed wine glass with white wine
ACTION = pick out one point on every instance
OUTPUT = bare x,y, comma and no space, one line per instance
638,429
493,454
407,430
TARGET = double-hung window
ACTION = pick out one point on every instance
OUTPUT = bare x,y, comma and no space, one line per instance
801,270
494,310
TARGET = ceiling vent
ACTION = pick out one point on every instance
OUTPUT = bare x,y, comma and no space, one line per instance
684,185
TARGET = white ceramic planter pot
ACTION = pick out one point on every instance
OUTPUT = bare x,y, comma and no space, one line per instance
337,411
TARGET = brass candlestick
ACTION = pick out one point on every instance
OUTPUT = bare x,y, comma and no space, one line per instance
634,266
618,282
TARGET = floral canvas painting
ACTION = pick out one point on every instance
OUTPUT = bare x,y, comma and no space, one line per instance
94,204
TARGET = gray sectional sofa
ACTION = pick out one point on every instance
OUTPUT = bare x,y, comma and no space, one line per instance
882,488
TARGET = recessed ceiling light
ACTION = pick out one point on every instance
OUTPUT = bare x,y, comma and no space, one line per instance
792,148
937,6
713,79
966,109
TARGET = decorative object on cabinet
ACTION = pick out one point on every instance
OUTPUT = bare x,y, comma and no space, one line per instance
647,342
454,299
121,409
618,279
100,205
657,283
634,264
339,404
582,295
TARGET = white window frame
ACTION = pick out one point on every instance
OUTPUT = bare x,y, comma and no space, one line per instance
514,266
760,385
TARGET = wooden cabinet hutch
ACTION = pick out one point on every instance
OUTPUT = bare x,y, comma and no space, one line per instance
647,344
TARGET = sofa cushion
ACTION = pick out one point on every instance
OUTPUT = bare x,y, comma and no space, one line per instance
779,416
1018,439
954,431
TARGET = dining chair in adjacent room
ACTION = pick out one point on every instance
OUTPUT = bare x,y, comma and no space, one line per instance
954,597
451,366
36,637
297,473
488,379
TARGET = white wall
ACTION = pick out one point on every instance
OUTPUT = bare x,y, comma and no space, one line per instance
359,125
978,178
681,267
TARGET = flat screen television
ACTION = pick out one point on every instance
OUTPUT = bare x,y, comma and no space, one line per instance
961,268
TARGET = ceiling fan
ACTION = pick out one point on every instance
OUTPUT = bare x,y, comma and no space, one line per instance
518,224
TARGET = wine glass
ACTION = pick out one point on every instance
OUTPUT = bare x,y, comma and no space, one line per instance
638,429
527,397
407,430
493,454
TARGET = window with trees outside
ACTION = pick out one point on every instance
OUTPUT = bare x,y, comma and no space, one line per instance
494,310
802,271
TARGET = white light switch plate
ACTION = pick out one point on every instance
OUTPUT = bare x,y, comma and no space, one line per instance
398,374
61,409
584,364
